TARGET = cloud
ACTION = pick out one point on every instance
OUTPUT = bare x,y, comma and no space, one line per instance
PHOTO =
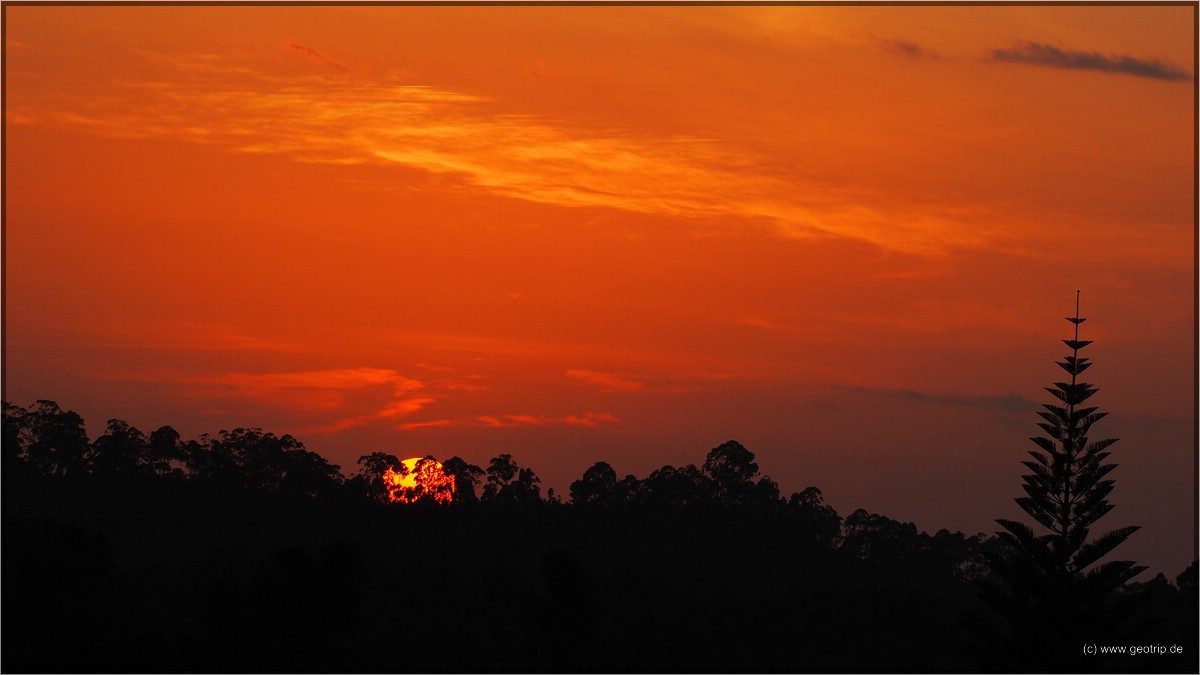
500,421
509,421
1040,54
905,47
334,400
767,323
404,407
318,56
464,386
587,419
364,118
345,378
590,419
680,382
410,426
1007,402
311,389
609,381
317,393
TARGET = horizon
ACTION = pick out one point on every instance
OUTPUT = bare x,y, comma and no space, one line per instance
844,236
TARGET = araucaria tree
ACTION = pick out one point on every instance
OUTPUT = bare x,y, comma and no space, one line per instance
1055,596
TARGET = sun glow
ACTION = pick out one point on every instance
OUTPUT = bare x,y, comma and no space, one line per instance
419,478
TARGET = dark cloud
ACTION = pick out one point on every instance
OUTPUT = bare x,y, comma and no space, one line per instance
319,56
904,47
1039,54
1007,402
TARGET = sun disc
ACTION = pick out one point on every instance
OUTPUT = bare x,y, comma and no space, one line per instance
422,478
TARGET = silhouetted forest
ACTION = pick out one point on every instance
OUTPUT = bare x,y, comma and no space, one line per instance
245,552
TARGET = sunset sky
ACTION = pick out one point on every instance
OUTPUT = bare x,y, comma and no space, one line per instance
846,237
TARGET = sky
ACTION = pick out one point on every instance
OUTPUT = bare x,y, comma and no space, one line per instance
845,236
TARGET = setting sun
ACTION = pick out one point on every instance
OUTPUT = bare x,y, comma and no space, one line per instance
731,323
844,235
420,478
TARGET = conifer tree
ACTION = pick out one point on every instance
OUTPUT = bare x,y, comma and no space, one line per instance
1052,591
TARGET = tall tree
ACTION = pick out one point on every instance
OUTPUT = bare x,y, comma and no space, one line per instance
122,450
466,478
817,522
15,437
677,487
373,468
166,453
733,471
508,483
596,486
253,460
51,440
1054,594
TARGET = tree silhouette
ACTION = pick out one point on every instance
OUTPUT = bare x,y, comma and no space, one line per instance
596,486
677,487
509,483
307,473
52,441
819,521
869,535
166,453
466,478
732,471
1051,598
122,450
373,468
249,459
10,445
242,563
211,461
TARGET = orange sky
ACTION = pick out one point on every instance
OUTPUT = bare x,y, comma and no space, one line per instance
844,236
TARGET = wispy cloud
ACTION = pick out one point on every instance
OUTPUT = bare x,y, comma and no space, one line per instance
587,419
680,380
316,391
411,426
1006,402
330,391
255,384
590,419
501,421
512,421
355,118
1041,54
609,381
905,48
312,53
327,401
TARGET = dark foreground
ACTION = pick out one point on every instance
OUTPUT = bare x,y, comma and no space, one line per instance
143,575
245,552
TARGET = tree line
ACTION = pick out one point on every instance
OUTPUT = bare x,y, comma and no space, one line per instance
49,442
244,551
